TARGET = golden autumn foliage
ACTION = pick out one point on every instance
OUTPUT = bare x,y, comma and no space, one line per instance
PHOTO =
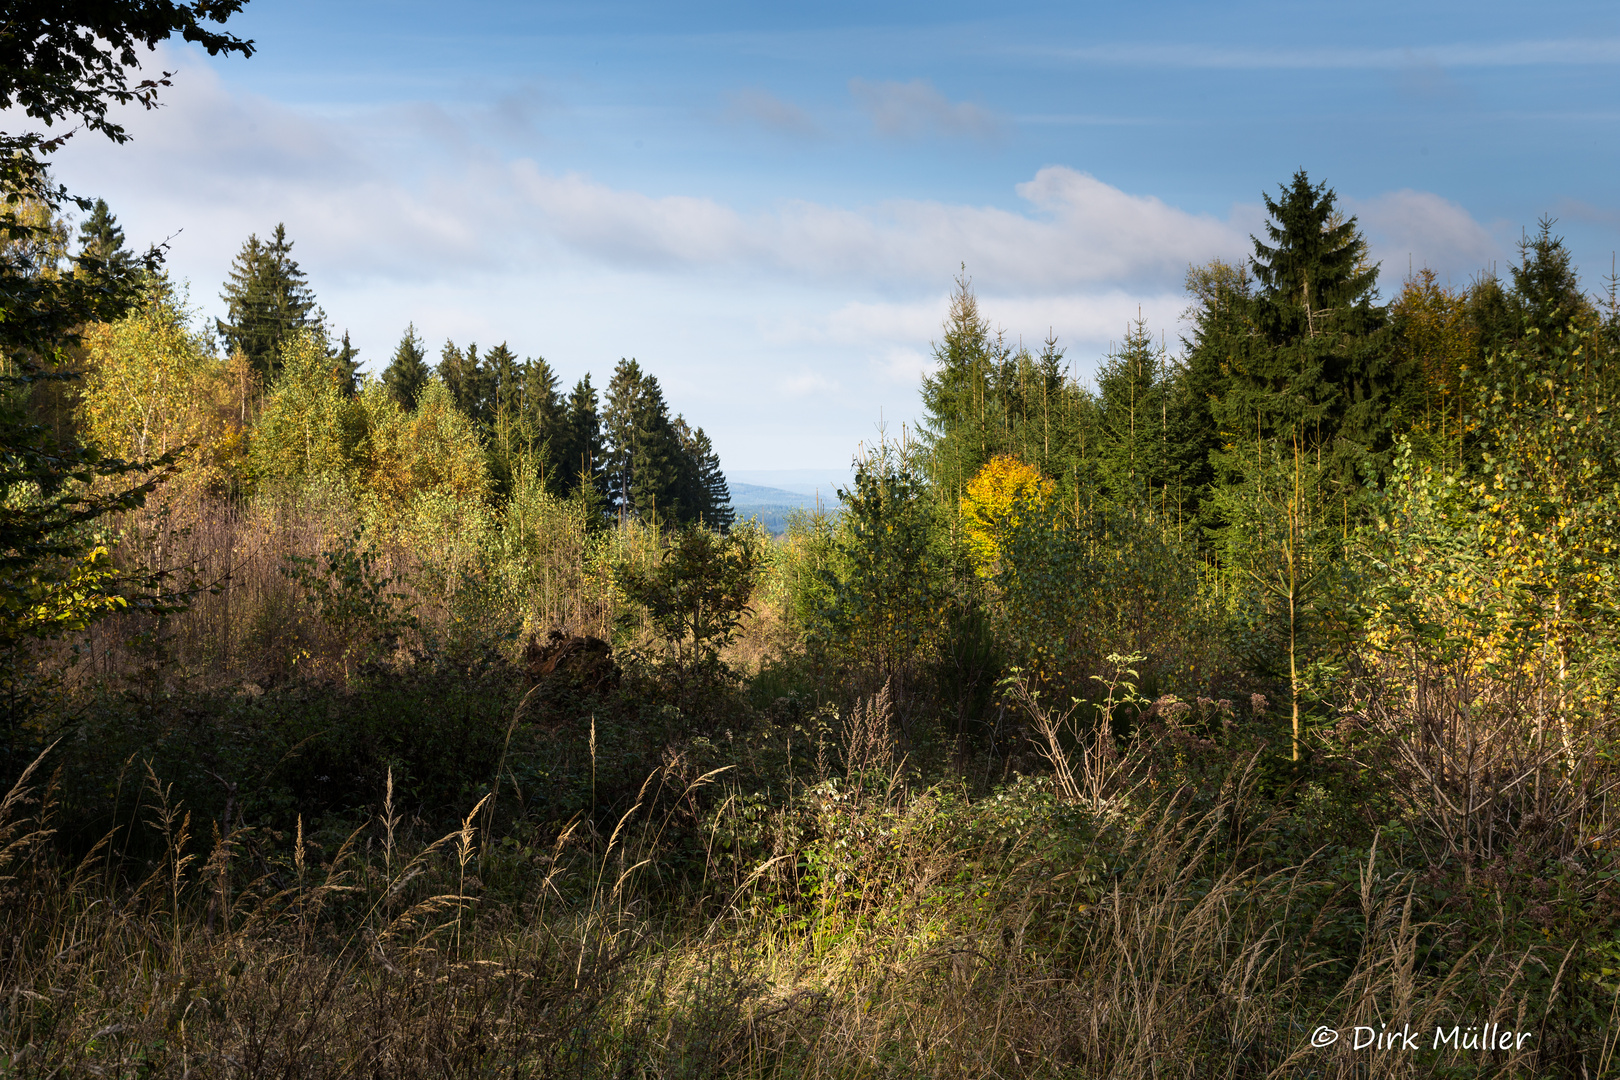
430,448
1513,574
997,497
153,386
311,428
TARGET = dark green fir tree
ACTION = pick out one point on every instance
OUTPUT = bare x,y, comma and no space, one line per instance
407,373
1217,344
468,381
348,363
1133,384
644,454
544,420
1317,365
580,457
267,298
1547,294
101,243
709,498
625,395
965,422
501,387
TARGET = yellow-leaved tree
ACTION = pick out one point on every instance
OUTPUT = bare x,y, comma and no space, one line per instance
998,498
1548,498
431,448
153,386
423,475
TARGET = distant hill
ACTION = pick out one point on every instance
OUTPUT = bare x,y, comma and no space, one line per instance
760,495
798,481
773,505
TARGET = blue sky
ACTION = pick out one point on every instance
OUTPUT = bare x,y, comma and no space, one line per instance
766,204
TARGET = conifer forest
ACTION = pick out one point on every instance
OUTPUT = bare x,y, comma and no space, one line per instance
1250,708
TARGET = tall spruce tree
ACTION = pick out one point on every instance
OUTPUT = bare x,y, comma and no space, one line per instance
581,459
267,299
1493,316
1547,294
1314,272
1541,318
1311,312
500,419
1313,398
1308,353
408,372
467,379
526,416
1220,336
656,492
501,385
963,426
1046,410
700,495
101,243
658,468
620,426
986,397
1133,402
544,420
712,498
348,364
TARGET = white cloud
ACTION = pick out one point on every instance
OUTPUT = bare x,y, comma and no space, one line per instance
1585,211
910,110
901,366
1416,229
1075,231
859,321
1086,325
384,195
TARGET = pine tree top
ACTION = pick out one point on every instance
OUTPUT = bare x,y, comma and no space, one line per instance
267,299
102,240
1315,265
1545,283
407,373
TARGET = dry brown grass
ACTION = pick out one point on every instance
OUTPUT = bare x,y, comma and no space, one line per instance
224,959
1155,950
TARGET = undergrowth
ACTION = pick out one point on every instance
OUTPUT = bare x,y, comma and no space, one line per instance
792,897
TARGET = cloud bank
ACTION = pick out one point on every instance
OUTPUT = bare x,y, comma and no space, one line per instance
399,194
1407,230
226,164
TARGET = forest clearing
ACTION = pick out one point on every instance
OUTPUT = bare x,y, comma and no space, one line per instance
1249,709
